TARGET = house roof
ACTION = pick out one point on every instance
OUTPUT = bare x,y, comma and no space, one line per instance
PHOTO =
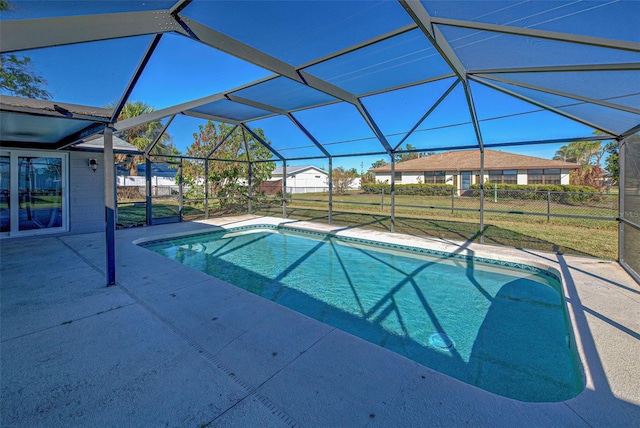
292,170
96,143
470,160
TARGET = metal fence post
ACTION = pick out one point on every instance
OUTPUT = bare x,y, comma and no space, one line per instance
548,206
382,199
452,200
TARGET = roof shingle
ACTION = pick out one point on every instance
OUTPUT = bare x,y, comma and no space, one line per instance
470,160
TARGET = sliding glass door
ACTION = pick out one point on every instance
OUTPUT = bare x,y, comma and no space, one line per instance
34,192
5,187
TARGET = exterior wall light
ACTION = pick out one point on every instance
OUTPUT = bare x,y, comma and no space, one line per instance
93,164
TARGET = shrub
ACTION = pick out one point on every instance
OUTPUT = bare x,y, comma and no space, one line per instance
410,189
562,193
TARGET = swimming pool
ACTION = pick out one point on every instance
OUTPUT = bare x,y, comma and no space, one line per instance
500,326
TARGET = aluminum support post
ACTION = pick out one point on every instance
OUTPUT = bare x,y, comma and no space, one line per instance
206,188
249,190
147,182
330,190
393,192
180,192
110,205
622,149
482,196
284,189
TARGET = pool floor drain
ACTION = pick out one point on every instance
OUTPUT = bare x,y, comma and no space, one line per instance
441,341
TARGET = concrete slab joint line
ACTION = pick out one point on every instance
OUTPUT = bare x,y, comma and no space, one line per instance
251,391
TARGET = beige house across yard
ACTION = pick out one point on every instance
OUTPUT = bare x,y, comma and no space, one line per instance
462,169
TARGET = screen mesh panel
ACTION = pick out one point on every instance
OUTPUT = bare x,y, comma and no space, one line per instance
30,9
70,77
286,137
608,19
489,50
398,111
297,32
285,94
615,120
231,110
182,70
406,58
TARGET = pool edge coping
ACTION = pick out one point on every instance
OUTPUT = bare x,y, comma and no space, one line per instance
389,237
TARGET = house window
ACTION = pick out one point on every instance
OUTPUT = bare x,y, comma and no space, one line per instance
398,176
551,176
510,176
507,176
434,177
543,176
535,176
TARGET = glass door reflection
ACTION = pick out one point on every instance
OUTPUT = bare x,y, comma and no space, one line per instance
39,192
5,194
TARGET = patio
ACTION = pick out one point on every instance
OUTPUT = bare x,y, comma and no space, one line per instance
169,345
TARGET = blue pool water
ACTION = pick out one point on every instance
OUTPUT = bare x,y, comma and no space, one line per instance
500,328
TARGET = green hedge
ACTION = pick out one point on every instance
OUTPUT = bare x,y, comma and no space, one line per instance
410,189
562,193
539,187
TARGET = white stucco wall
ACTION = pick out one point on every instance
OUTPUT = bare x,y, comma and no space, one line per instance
522,176
382,178
310,178
412,178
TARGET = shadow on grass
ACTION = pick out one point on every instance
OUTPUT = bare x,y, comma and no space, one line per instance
445,229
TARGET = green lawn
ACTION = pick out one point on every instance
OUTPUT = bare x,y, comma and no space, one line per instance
567,235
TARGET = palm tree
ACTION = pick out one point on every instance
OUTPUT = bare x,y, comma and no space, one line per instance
142,135
566,154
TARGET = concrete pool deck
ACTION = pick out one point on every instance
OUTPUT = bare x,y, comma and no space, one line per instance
172,346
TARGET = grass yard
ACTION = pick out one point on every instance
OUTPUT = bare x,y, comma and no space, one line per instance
588,237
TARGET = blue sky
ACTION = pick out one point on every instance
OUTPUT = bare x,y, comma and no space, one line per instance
182,70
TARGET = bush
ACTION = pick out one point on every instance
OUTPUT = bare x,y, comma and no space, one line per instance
410,189
562,193
131,193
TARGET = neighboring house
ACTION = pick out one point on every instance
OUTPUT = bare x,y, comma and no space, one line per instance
462,169
300,179
162,175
